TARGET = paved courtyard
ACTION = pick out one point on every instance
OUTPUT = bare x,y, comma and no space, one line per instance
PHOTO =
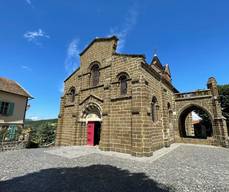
69,169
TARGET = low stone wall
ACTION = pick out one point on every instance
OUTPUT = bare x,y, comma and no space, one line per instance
12,145
208,141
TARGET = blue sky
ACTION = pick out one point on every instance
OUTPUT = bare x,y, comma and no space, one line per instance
40,40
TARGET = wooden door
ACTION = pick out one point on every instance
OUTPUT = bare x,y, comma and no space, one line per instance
90,133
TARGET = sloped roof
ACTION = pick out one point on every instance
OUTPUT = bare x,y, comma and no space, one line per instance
11,86
98,40
156,62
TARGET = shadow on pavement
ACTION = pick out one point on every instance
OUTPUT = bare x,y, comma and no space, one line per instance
92,178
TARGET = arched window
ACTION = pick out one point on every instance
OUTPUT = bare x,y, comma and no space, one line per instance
170,113
154,109
123,84
168,106
71,94
95,75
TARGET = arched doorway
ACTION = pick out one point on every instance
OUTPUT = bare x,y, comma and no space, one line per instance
195,122
91,115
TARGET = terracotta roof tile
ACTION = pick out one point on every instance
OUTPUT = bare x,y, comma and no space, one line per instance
11,86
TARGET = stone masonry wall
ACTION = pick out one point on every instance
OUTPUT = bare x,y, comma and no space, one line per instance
126,120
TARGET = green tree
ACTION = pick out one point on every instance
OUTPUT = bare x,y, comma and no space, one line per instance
3,133
47,133
35,138
206,121
42,132
224,99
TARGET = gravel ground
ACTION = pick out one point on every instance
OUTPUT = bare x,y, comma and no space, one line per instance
184,168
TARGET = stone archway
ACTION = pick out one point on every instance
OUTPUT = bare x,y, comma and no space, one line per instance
208,101
201,129
92,117
91,112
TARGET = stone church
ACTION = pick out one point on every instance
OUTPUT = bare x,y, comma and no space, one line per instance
122,103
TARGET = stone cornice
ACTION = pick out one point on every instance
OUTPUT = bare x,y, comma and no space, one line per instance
130,55
89,88
121,98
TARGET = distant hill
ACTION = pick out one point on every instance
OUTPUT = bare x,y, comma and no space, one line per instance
35,124
39,123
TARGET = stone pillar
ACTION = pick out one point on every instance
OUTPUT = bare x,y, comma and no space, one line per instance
104,143
76,117
105,137
83,133
219,125
147,131
75,138
188,125
136,135
77,135
140,138
165,117
60,122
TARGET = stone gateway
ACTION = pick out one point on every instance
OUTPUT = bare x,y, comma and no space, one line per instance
123,104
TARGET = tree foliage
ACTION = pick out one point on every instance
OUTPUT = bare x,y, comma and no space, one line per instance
3,133
224,99
206,121
42,132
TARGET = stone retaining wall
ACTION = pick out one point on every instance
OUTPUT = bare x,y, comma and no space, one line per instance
12,145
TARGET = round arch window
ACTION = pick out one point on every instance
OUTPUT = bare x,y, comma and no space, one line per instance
95,75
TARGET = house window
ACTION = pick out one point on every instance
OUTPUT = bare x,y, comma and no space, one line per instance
154,109
123,85
95,75
6,108
72,93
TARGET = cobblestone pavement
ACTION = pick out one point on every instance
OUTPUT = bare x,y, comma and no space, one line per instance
179,168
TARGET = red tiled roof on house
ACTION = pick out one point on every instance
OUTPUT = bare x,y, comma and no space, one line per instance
195,122
11,86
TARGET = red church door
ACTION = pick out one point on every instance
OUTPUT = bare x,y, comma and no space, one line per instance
90,133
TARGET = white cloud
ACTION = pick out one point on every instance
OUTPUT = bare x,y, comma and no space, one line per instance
72,58
61,89
34,118
25,67
37,118
35,36
128,25
195,116
29,2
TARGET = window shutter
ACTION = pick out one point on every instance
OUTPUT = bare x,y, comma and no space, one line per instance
10,109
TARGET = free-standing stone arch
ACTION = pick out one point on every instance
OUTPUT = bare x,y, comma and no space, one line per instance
208,101
204,132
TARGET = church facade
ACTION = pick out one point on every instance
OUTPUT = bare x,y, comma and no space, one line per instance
121,103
